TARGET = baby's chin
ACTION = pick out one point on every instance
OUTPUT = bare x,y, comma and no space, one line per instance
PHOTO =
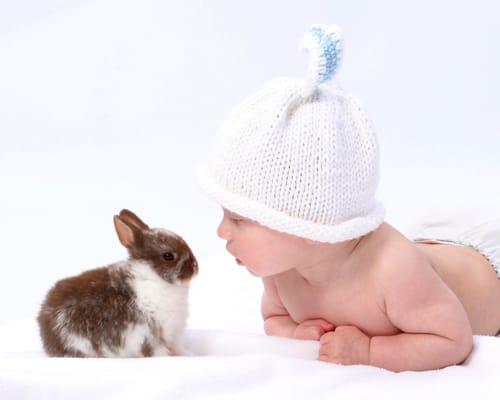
249,269
258,271
253,273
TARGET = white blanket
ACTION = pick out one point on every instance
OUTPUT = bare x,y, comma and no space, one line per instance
231,365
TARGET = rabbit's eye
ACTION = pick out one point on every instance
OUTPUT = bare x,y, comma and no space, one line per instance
168,256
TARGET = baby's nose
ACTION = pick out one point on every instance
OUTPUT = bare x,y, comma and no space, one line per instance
223,231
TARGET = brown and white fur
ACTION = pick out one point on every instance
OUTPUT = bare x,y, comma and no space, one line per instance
132,308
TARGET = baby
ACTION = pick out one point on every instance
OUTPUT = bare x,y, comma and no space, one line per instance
295,168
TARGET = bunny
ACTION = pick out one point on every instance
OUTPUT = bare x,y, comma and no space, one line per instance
132,308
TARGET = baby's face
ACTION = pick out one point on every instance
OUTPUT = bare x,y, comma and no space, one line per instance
263,251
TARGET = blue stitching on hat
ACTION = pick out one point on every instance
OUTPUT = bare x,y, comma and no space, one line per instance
331,52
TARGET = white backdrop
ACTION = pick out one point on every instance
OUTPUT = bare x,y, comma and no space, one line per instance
111,104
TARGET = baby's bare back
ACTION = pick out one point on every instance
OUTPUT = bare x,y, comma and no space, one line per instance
473,280
352,297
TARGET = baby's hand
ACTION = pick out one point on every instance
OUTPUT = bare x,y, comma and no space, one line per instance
348,345
312,329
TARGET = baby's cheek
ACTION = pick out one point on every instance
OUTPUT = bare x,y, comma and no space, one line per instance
258,266
261,259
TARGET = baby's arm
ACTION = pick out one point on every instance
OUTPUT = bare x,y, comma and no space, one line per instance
277,321
436,329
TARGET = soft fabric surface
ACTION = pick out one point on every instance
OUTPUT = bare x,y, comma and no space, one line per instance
230,365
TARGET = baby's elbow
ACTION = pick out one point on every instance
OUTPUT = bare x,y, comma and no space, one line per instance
464,345
271,326
279,325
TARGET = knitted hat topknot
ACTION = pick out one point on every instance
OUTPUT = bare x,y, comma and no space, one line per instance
300,155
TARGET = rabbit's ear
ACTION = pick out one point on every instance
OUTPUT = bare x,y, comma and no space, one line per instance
128,234
132,219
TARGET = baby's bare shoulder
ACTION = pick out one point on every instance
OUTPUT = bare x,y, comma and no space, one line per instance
414,297
395,258
388,247
397,251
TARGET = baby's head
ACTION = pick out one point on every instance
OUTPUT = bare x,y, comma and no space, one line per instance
298,164
264,251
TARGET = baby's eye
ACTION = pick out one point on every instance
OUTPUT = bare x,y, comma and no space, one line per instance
235,217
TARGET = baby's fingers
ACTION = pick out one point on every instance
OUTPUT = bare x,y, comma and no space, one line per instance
327,326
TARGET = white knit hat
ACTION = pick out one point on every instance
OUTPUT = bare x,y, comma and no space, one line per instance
301,155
